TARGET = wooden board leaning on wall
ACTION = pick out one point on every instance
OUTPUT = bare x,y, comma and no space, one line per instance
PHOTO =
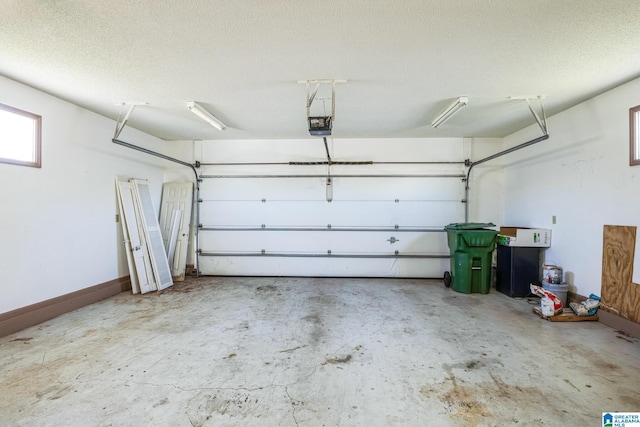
619,294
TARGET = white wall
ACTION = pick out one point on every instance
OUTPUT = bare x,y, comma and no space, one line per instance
582,176
57,223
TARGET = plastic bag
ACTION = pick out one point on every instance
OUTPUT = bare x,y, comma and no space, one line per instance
589,307
550,297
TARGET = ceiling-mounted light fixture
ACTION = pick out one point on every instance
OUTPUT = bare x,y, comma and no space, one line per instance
200,111
450,111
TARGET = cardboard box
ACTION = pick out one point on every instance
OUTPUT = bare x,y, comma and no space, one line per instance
524,236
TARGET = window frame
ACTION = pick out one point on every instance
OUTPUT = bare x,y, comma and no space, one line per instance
37,123
634,135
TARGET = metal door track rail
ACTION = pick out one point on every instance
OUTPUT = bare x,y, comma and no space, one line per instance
156,154
449,175
396,200
327,228
508,150
333,162
318,255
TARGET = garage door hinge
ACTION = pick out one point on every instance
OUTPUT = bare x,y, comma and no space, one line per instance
197,164
463,201
199,200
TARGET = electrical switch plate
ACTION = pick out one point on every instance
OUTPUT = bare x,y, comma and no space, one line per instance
553,219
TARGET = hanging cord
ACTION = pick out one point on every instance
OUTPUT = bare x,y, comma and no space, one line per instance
542,121
326,147
121,124
308,103
311,97
333,100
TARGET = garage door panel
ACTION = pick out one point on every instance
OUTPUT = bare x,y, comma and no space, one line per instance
256,241
337,214
397,188
388,242
428,214
352,189
263,188
339,242
284,213
324,267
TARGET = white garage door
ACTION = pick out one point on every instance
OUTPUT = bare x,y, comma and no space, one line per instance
262,215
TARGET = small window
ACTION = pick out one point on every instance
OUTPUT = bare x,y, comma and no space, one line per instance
20,133
634,136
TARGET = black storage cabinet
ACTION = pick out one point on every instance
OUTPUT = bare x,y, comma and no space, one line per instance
517,267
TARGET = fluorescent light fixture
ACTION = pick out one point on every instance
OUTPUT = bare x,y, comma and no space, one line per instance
200,111
450,111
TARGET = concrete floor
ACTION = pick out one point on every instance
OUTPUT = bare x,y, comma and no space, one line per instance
314,352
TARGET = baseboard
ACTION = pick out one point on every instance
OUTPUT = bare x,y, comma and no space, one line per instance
616,322
21,318
620,324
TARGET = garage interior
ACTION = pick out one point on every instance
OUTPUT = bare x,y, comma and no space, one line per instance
324,147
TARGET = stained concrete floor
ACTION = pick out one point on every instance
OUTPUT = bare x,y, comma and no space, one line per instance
314,352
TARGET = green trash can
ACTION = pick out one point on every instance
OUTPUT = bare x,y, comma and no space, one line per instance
471,246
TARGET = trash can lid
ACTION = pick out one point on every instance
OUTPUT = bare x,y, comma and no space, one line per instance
469,225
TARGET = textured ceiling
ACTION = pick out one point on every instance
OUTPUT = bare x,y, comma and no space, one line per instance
404,61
